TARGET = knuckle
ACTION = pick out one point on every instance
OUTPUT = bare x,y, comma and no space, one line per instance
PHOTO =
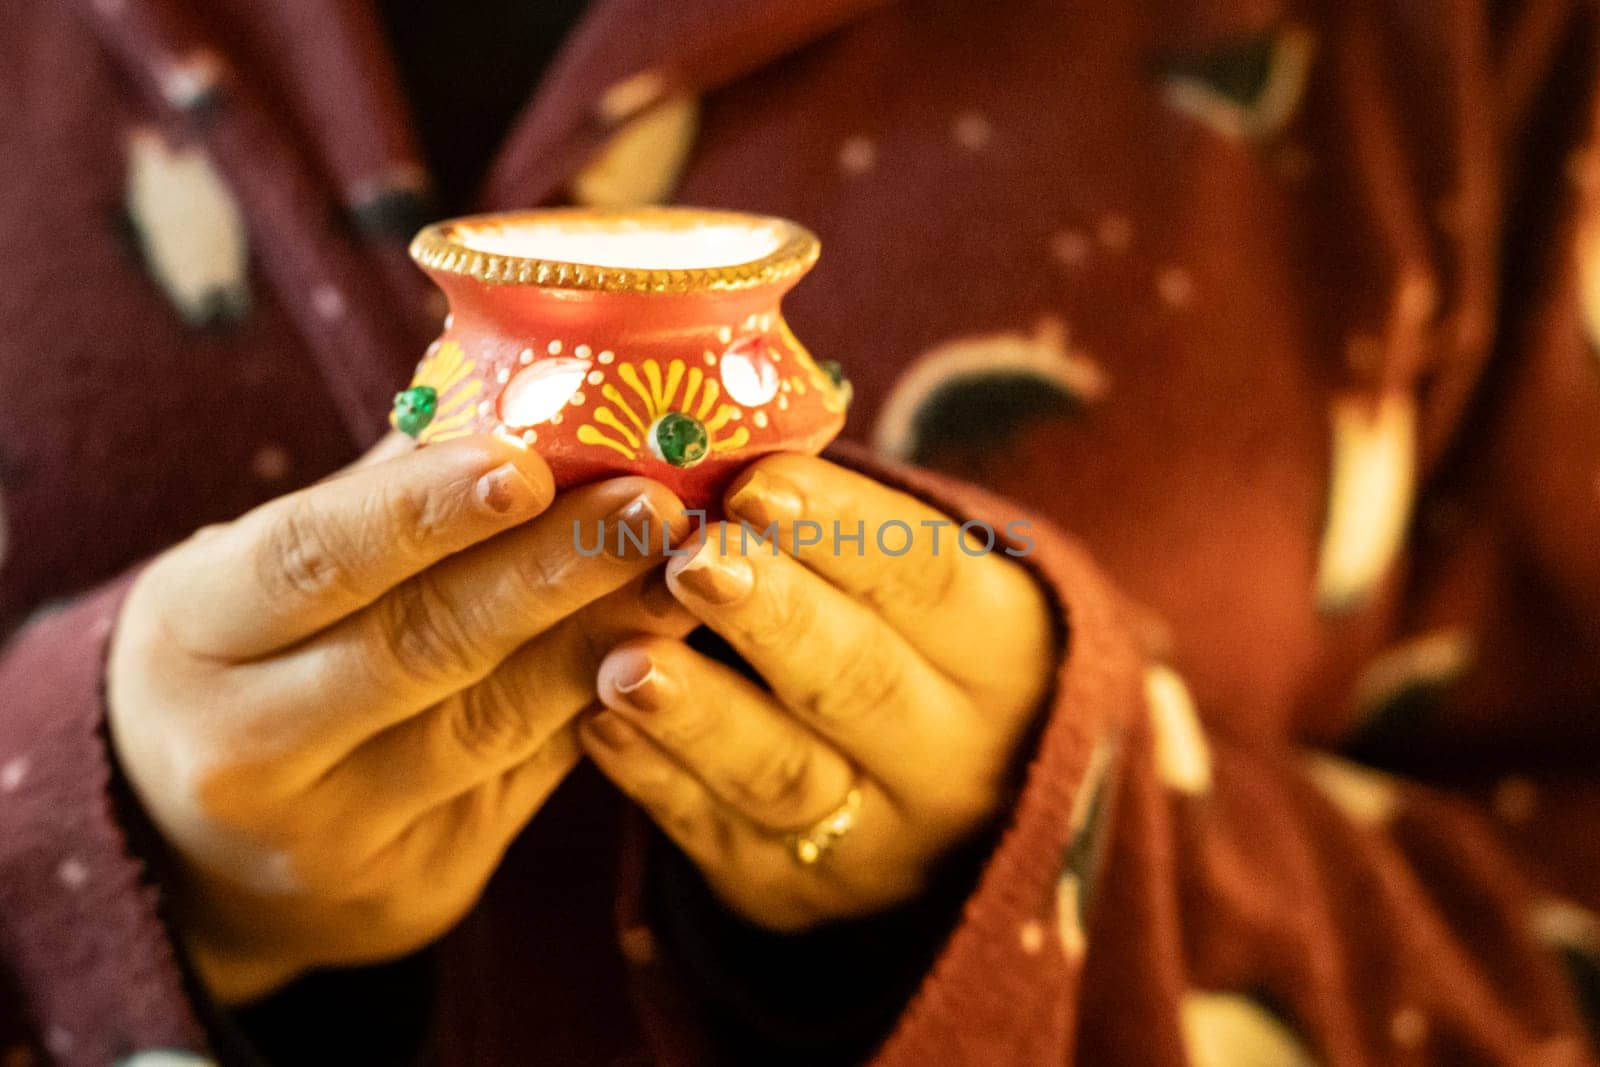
688,725
778,782
910,588
867,679
411,519
781,617
485,721
545,577
428,639
301,557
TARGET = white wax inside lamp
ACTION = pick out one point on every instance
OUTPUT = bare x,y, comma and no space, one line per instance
628,244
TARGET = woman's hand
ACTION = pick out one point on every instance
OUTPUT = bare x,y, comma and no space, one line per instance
911,679
341,708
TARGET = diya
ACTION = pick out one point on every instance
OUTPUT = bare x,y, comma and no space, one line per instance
642,341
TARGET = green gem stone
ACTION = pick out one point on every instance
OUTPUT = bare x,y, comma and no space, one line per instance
414,408
680,439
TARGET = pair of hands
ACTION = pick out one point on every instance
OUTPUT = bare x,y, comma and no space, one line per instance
341,709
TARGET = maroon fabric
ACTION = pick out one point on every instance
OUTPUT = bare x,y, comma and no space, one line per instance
1145,304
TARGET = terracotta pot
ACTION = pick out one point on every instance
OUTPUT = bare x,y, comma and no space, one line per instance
643,341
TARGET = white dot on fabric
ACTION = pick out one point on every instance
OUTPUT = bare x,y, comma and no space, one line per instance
554,348
1515,800
1176,287
1408,1027
972,131
606,356
72,873
59,1040
1031,937
857,155
1069,248
13,773
187,82
503,375
270,463
326,302
582,351
1115,232
638,945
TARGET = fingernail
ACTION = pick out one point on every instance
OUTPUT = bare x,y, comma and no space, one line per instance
506,490
764,499
715,578
638,681
608,730
634,529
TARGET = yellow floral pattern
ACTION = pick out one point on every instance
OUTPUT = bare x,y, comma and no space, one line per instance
622,421
448,372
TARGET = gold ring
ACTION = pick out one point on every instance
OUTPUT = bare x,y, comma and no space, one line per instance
816,841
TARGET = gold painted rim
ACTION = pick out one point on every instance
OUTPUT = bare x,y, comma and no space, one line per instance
438,247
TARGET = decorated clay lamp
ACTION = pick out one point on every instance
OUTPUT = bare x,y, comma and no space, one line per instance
623,342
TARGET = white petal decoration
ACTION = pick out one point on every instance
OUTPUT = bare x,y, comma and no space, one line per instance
1183,759
541,390
189,227
1367,796
1230,1030
748,373
643,160
1370,496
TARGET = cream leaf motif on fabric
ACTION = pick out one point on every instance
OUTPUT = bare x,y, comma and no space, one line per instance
1588,252
1232,1030
1367,797
1183,759
1248,88
189,228
1370,496
980,389
1573,932
644,159
1077,886
1395,697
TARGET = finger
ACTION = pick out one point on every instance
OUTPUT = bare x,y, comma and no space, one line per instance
711,835
751,868
828,658
445,629
476,735
960,601
297,564
727,732
450,851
